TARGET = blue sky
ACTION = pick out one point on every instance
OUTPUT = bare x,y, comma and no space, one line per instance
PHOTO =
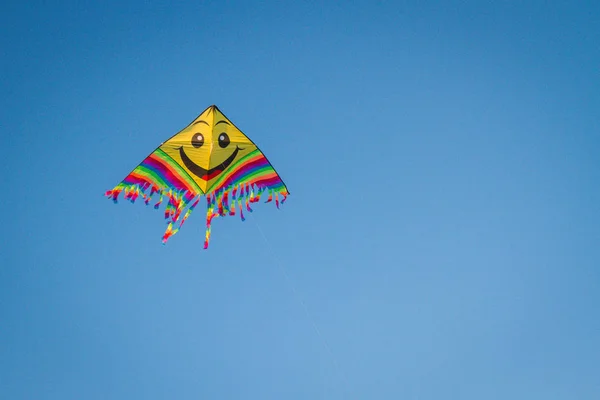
443,227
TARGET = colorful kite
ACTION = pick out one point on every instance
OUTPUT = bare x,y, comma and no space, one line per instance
209,157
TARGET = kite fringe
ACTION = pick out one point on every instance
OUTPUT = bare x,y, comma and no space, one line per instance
223,202
219,203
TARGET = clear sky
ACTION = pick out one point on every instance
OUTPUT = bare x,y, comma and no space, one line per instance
441,240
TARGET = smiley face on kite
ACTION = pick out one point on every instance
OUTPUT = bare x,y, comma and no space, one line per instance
210,157
203,173
208,146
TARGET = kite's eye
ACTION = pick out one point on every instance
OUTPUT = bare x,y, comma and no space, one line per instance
224,140
197,140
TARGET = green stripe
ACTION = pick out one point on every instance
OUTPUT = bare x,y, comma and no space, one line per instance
259,173
151,175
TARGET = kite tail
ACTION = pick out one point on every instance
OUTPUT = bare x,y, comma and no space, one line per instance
210,214
189,211
220,205
226,207
114,193
241,210
169,232
270,198
233,201
249,197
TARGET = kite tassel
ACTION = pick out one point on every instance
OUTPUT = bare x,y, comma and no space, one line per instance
169,232
159,202
226,208
113,195
241,210
210,214
233,201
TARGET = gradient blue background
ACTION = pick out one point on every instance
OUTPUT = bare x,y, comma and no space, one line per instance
443,230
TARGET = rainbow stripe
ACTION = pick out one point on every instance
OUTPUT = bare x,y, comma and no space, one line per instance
160,170
161,175
237,187
243,183
252,169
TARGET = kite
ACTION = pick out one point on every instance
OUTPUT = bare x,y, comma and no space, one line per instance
210,157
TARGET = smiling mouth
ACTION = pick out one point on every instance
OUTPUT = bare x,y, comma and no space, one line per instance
207,174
